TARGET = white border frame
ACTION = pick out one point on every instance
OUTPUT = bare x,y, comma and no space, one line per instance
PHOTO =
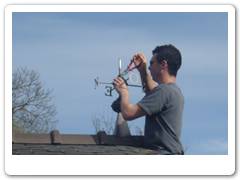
111,164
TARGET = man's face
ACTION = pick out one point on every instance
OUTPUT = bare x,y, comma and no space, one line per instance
154,67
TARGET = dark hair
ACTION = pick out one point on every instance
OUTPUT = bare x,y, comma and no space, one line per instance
171,54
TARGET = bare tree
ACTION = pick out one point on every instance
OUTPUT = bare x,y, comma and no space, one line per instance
103,123
32,107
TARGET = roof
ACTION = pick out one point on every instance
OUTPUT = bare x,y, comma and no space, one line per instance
45,149
55,143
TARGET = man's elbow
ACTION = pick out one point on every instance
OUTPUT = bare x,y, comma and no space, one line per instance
128,116
132,112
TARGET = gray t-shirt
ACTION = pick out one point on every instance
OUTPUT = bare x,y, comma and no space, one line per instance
164,108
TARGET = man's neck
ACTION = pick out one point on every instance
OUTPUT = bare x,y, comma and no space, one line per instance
167,79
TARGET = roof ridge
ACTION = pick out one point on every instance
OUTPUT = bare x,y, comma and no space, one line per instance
54,137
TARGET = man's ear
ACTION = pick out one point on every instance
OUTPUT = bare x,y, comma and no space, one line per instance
164,64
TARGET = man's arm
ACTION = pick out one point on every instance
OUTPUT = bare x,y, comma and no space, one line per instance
147,81
129,111
146,78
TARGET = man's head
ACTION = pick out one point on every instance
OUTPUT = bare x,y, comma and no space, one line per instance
165,58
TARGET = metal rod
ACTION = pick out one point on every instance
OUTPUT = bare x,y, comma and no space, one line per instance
120,67
105,83
134,85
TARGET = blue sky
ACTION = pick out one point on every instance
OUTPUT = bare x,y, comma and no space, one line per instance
70,49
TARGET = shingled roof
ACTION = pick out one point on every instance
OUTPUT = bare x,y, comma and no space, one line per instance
55,143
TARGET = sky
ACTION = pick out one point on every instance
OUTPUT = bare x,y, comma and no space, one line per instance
69,50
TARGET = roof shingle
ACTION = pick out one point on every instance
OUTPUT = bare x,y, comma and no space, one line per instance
67,144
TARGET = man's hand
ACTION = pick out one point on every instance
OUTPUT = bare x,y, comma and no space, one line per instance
120,86
140,59
147,82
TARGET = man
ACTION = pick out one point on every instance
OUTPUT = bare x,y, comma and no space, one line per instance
163,103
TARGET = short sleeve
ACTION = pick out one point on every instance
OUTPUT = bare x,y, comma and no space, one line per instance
154,101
